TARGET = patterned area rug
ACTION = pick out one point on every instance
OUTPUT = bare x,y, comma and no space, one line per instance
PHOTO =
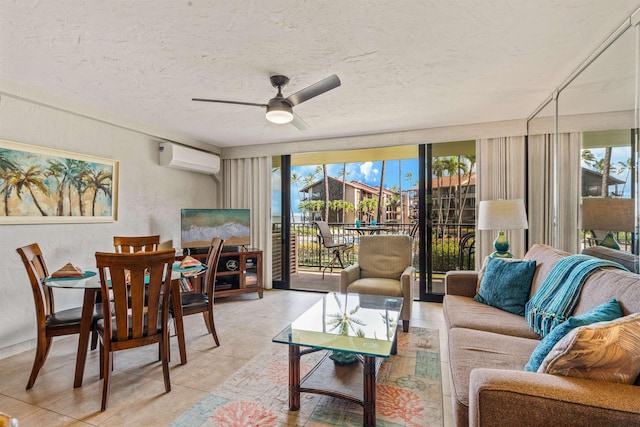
408,393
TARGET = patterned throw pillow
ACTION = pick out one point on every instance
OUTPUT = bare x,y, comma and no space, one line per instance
506,284
604,312
604,351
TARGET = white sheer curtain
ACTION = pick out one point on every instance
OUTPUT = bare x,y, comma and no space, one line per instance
542,193
247,185
501,175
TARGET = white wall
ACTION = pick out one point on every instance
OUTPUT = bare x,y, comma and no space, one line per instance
149,202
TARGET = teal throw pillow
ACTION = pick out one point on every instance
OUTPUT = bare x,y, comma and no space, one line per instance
506,284
610,310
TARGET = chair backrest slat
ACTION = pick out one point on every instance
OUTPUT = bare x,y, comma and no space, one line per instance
37,271
132,244
213,257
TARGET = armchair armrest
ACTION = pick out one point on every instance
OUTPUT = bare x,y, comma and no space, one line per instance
507,397
406,281
348,276
461,283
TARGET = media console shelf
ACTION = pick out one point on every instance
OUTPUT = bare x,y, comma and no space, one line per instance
239,272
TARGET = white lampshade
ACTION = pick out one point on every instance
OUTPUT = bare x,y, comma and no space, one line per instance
608,214
502,215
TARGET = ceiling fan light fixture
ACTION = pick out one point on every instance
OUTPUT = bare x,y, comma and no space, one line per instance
279,112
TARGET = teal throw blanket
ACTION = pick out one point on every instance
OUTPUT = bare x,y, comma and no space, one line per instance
556,298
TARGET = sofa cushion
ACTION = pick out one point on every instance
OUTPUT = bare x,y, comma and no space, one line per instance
602,313
506,284
376,286
626,259
464,312
604,351
470,349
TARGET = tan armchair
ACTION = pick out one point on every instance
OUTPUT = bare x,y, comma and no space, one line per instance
383,268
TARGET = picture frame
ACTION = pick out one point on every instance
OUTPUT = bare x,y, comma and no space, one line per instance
40,185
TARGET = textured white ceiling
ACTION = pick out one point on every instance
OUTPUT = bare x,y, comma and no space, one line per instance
403,64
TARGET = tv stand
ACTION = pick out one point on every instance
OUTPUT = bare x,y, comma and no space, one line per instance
195,251
238,272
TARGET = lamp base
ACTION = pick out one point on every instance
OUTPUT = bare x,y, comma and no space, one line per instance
501,254
502,246
610,241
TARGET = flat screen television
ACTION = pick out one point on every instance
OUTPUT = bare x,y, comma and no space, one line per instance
199,226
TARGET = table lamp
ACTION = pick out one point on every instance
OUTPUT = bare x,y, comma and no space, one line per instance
608,214
502,215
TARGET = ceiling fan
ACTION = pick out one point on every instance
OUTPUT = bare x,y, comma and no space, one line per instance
279,108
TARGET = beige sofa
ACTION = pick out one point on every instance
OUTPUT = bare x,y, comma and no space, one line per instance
489,347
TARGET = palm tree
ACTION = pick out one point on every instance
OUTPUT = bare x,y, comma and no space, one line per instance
99,181
588,157
624,167
295,179
79,183
379,215
325,182
343,172
450,167
308,180
437,167
607,168
471,158
368,207
8,173
63,171
32,177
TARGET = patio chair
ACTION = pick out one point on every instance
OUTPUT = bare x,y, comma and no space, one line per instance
337,249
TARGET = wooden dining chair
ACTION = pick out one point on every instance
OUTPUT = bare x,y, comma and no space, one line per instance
129,244
50,323
138,313
202,301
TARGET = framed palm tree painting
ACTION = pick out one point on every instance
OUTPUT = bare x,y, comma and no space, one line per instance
42,185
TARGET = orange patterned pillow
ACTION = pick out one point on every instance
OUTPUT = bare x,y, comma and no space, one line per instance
604,351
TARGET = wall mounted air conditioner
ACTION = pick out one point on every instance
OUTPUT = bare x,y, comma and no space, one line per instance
181,157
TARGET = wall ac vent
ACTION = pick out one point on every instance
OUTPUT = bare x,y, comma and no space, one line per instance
181,157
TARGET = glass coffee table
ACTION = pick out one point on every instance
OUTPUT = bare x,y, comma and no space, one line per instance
354,330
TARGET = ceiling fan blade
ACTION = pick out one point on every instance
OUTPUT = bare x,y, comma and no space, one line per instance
229,102
315,89
300,124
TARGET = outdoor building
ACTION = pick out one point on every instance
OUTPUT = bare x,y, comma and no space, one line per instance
450,193
592,184
355,194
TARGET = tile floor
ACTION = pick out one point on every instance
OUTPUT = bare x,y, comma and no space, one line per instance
245,326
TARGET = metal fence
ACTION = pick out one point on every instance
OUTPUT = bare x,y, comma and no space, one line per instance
452,245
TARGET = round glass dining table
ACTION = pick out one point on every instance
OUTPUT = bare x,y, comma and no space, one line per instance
90,283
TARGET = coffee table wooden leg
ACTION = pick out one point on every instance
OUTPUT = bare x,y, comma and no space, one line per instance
294,377
85,331
369,392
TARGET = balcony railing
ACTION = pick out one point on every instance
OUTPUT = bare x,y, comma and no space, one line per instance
452,245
